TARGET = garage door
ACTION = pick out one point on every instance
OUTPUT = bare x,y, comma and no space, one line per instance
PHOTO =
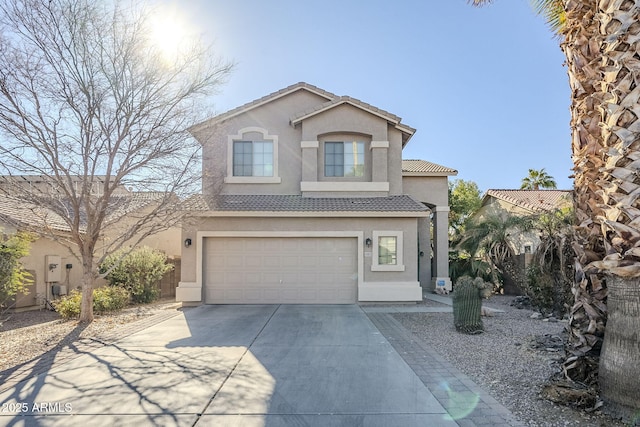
283,270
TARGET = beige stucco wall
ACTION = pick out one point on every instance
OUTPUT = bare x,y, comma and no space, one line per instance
427,189
274,117
395,162
36,262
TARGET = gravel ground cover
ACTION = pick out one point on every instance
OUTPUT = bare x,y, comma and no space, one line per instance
512,359
27,335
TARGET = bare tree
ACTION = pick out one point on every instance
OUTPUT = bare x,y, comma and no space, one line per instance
91,103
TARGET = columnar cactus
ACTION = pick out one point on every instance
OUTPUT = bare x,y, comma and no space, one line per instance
467,304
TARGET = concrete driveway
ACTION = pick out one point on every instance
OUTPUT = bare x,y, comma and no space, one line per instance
250,365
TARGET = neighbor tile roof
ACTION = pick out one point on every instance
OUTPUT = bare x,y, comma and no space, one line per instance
16,211
420,167
533,200
28,213
296,203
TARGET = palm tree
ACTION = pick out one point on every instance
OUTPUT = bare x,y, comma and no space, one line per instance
538,179
491,239
600,40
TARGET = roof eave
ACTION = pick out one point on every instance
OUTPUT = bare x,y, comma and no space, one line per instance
427,174
333,214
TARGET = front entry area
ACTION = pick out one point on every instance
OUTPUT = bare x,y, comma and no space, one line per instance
280,270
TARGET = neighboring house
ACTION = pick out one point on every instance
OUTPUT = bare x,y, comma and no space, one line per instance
523,203
306,199
53,267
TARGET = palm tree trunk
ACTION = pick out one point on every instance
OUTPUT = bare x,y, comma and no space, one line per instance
620,357
601,45
582,49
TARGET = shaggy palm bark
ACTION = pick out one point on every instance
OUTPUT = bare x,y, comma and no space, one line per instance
602,46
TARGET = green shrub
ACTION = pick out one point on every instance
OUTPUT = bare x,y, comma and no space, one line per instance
138,271
105,299
69,305
110,298
13,277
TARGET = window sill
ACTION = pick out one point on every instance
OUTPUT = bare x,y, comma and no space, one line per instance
253,180
378,267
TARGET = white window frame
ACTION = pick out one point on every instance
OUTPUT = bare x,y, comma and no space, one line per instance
399,265
230,179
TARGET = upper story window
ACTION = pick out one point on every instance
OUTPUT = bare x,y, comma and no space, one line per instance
344,158
252,157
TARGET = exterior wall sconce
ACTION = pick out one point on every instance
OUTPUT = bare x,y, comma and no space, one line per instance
187,243
368,242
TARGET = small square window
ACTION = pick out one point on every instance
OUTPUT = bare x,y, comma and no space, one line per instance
387,251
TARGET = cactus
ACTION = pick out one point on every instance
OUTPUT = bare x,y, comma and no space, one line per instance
467,304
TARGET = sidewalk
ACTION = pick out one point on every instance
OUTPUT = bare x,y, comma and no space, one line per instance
445,300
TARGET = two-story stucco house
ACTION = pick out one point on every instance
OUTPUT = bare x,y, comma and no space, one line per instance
306,199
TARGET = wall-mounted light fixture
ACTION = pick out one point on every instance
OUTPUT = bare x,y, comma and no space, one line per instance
187,243
368,242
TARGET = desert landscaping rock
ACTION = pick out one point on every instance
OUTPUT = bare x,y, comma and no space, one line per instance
512,360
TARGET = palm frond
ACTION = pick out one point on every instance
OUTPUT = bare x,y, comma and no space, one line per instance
553,13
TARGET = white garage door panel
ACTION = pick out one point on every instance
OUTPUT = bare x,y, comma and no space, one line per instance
300,270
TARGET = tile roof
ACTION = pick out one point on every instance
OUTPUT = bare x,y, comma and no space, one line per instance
533,200
420,167
16,211
28,213
296,203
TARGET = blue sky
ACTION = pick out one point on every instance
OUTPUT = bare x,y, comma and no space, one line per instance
485,88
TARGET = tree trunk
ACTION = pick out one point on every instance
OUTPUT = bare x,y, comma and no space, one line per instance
619,373
86,303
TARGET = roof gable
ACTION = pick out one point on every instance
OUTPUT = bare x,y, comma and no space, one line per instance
332,101
262,101
392,119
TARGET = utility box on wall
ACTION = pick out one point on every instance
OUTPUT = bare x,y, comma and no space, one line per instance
52,268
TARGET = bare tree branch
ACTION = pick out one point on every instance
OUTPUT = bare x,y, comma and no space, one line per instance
89,104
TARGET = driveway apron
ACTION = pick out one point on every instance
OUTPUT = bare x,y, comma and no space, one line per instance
248,365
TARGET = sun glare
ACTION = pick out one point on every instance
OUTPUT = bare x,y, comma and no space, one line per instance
169,33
